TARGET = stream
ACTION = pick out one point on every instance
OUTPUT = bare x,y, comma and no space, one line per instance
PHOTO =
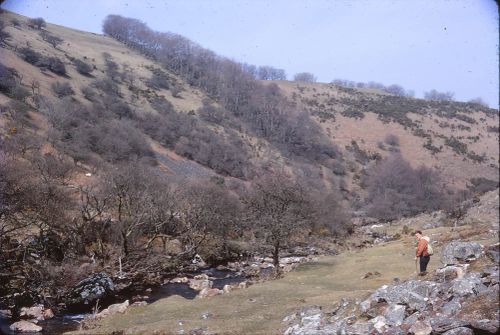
69,322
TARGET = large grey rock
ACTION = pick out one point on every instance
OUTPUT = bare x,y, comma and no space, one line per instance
490,326
459,331
413,293
25,327
451,307
92,288
460,252
308,322
395,314
441,324
471,283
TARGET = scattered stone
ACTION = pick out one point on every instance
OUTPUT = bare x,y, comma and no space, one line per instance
460,252
180,280
371,274
206,315
25,327
200,284
48,314
209,292
421,328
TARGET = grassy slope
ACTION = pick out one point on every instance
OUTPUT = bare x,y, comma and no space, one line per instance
370,130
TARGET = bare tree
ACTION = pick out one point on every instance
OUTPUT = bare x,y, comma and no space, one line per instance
37,23
305,77
439,96
279,212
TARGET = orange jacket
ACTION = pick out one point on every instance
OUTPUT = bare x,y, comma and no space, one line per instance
422,248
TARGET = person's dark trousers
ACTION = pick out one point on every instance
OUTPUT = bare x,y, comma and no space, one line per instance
424,260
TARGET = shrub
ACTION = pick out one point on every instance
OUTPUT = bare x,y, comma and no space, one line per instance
392,140
37,23
88,93
51,39
8,79
456,145
4,35
31,56
15,22
62,89
83,67
56,66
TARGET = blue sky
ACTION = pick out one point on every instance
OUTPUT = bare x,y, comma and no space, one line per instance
448,45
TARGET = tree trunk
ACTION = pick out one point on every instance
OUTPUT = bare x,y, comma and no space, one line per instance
276,258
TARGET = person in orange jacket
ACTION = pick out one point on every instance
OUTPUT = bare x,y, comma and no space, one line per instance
422,252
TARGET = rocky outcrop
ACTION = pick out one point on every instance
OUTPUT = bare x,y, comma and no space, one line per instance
460,252
453,302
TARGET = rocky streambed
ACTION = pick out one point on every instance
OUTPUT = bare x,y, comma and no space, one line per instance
100,290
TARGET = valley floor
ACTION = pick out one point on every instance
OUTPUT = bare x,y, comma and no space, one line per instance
260,308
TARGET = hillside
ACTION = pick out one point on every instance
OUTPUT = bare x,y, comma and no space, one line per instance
458,139
135,157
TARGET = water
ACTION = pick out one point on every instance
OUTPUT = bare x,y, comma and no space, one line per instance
61,324
57,325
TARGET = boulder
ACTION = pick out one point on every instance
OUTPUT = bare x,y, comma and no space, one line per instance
33,312
114,309
90,289
490,326
48,314
459,331
209,292
25,327
451,272
200,284
413,293
460,252
470,284
441,324
451,307
395,314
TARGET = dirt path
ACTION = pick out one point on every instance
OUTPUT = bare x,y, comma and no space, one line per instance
261,308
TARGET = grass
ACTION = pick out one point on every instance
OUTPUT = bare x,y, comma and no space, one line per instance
261,308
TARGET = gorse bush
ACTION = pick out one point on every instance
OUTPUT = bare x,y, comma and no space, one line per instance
83,67
62,89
